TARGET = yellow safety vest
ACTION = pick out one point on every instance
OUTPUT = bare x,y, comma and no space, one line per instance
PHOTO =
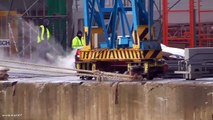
41,36
76,42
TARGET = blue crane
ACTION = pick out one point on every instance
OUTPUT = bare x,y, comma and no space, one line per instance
95,12
127,37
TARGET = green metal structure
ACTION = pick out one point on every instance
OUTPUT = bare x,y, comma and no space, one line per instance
58,9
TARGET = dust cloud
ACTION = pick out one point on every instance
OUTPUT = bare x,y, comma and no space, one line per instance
67,61
48,52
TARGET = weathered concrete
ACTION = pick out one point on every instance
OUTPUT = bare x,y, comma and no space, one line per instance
158,100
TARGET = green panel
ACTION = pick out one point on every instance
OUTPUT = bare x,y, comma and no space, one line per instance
58,7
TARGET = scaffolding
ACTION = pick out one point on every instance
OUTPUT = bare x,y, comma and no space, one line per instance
25,24
192,33
205,29
176,35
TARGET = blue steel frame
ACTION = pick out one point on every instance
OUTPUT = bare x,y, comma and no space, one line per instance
95,10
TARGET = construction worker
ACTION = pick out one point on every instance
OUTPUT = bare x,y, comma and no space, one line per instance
44,33
43,40
78,40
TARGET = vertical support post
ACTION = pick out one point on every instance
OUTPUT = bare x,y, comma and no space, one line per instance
70,21
122,24
78,66
86,21
205,37
44,6
112,41
165,22
150,17
192,24
23,40
102,3
101,15
93,66
129,65
30,43
134,12
90,21
160,30
199,24
135,25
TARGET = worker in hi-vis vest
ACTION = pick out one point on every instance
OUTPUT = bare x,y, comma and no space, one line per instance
78,40
43,41
44,33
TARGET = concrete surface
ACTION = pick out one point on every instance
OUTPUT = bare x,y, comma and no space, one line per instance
65,99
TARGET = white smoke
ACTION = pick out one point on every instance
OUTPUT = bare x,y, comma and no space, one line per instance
30,50
1,54
67,61
26,42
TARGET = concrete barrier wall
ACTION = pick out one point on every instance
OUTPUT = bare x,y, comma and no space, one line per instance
106,101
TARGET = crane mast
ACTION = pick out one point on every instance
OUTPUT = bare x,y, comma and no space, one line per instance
119,36
110,18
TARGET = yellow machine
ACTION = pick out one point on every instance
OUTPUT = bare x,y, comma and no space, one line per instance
133,51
